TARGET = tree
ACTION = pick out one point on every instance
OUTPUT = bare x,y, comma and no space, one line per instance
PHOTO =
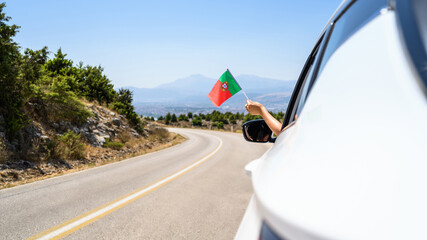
182,117
59,65
168,118
232,119
173,118
190,115
125,96
197,121
123,105
31,67
94,85
11,89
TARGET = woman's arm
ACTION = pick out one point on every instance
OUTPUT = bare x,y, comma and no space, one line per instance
256,108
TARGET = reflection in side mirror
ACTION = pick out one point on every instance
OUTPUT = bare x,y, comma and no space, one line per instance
257,131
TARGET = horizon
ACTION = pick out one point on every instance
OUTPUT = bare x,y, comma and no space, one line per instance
201,75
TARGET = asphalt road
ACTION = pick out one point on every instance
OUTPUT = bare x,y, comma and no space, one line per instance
206,200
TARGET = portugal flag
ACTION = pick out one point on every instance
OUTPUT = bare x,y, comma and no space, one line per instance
224,88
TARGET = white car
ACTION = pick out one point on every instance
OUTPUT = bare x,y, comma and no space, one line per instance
354,164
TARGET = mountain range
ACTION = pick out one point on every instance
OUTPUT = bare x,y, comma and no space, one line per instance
190,94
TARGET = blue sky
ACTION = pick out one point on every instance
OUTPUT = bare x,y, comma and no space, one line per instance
147,43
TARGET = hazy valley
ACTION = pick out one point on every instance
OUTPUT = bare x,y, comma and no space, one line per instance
190,95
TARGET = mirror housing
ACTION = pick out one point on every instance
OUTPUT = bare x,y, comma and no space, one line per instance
257,131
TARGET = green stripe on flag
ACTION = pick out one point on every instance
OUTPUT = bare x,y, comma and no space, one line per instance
233,86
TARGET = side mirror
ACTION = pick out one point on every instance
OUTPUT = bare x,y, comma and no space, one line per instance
257,131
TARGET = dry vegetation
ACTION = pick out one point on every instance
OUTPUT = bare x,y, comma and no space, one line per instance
79,156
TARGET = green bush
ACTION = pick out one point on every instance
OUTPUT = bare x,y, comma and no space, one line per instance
114,145
60,104
197,121
68,146
158,134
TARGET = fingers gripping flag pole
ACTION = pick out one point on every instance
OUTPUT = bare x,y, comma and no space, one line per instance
224,88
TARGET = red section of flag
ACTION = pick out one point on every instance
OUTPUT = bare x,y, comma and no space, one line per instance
219,94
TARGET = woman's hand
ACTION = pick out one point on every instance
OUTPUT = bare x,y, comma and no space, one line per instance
254,108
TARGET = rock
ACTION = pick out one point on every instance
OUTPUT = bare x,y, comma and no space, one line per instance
83,130
101,126
134,133
96,138
116,121
76,130
44,139
55,125
100,140
26,164
91,121
65,125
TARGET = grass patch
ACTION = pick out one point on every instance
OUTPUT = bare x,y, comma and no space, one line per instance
68,146
158,134
114,145
124,137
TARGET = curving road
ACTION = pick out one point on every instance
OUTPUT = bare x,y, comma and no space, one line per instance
195,190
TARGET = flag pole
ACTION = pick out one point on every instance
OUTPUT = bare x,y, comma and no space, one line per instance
245,94
239,85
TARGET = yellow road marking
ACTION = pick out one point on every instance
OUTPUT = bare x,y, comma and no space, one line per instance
76,223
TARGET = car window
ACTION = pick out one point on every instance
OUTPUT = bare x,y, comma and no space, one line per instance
352,18
413,25
309,78
420,7
356,16
301,87
304,89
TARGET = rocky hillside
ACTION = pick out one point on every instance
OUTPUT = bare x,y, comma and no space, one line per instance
46,149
